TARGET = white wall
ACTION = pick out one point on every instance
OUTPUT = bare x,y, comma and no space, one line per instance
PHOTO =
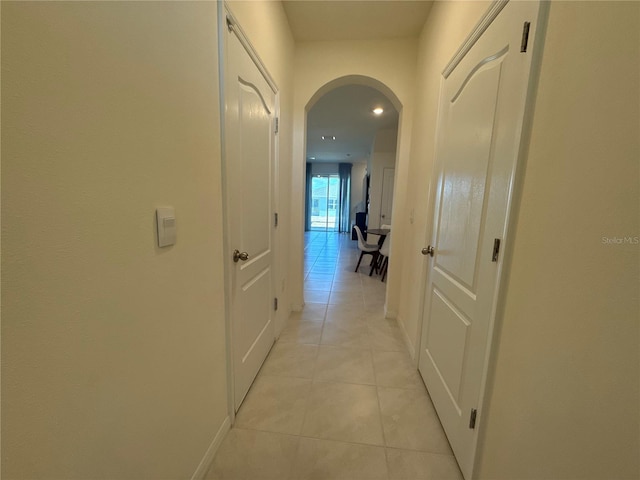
324,168
383,155
390,62
358,173
267,27
565,401
113,350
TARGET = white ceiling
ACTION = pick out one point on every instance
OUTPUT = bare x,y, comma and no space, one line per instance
312,20
346,112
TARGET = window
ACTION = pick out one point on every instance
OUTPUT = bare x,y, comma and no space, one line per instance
324,202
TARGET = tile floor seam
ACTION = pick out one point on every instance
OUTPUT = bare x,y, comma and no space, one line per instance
338,382
384,437
346,442
315,364
447,455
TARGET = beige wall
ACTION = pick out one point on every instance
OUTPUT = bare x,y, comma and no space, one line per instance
565,400
447,26
113,350
267,27
324,168
389,62
383,155
358,173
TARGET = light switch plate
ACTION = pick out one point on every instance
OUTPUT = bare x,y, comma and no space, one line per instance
166,222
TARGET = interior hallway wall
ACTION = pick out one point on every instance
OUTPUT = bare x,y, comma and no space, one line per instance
566,391
267,27
358,172
383,155
113,350
324,168
391,62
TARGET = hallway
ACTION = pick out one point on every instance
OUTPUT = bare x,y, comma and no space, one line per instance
338,396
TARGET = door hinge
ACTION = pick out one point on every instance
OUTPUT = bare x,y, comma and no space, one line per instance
277,124
525,37
275,219
472,418
275,303
496,250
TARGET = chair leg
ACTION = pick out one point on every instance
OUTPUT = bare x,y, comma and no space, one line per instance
359,260
385,266
374,263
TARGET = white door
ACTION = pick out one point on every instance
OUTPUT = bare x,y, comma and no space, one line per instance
249,165
482,104
387,196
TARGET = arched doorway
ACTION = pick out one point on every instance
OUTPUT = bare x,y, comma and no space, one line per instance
352,125
351,137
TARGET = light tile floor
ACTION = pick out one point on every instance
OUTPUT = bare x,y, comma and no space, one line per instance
338,396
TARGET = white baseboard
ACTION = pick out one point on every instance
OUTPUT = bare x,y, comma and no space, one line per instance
407,339
205,463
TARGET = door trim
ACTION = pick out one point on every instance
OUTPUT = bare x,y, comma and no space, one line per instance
487,19
232,24
227,21
513,197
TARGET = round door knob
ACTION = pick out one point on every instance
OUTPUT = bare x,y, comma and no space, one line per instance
428,251
238,255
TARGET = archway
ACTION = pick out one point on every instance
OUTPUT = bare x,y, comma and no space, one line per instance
355,80
330,86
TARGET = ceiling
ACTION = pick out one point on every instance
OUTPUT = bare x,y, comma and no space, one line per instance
346,112
312,20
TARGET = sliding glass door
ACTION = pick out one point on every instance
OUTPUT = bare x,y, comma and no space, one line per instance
324,202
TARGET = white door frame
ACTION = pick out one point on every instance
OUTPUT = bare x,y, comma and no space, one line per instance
514,194
226,20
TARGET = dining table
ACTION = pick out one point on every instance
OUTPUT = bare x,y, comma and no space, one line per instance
382,232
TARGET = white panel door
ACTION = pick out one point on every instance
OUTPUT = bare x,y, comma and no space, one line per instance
482,104
388,175
249,160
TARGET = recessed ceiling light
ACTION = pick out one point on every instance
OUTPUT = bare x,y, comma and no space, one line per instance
378,111
328,137
312,158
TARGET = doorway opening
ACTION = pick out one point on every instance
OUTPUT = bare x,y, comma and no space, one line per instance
323,120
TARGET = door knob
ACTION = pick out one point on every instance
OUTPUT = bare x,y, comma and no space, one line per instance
238,255
428,251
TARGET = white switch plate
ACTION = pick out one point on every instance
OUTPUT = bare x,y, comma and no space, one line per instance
166,221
